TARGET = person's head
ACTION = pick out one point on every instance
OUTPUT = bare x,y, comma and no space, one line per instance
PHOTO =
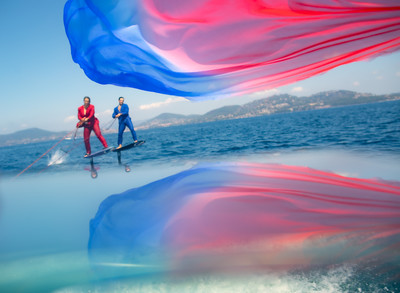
121,100
86,101
93,173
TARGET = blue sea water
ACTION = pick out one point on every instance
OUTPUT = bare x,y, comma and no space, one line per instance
361,128
45,212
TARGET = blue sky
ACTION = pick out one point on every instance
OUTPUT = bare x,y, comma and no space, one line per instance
40,85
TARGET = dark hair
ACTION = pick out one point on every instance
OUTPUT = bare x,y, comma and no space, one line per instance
121,98
86,97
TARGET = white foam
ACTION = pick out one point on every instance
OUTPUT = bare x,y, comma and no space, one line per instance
57,157
328,281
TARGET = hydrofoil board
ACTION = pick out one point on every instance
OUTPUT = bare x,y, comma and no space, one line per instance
129,146
99,153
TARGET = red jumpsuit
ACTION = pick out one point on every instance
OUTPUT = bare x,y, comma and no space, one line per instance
91,124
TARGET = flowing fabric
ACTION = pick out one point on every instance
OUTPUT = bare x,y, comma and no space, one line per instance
246,215
202,49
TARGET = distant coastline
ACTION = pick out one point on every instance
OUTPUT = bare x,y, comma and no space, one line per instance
272,105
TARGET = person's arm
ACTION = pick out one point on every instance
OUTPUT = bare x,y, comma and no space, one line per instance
81,119
125,110
115,112
79,115
90,113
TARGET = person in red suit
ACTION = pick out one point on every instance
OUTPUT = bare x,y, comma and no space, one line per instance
89,122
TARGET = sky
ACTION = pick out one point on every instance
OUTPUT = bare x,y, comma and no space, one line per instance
41,86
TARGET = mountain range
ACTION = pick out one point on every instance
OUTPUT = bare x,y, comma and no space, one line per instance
275,104
29,135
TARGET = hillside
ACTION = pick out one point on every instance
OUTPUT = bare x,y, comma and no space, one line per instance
276,104
28,136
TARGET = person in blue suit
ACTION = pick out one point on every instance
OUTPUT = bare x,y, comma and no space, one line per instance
122,113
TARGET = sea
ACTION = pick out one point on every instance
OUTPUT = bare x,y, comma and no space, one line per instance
49,193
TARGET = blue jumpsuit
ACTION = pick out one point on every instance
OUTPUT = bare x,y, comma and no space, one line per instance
124,121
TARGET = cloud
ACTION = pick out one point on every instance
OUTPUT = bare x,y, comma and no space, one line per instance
24,125
297,89
105,114
398,73
70,118
266,92
377,74
356,83
162,104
